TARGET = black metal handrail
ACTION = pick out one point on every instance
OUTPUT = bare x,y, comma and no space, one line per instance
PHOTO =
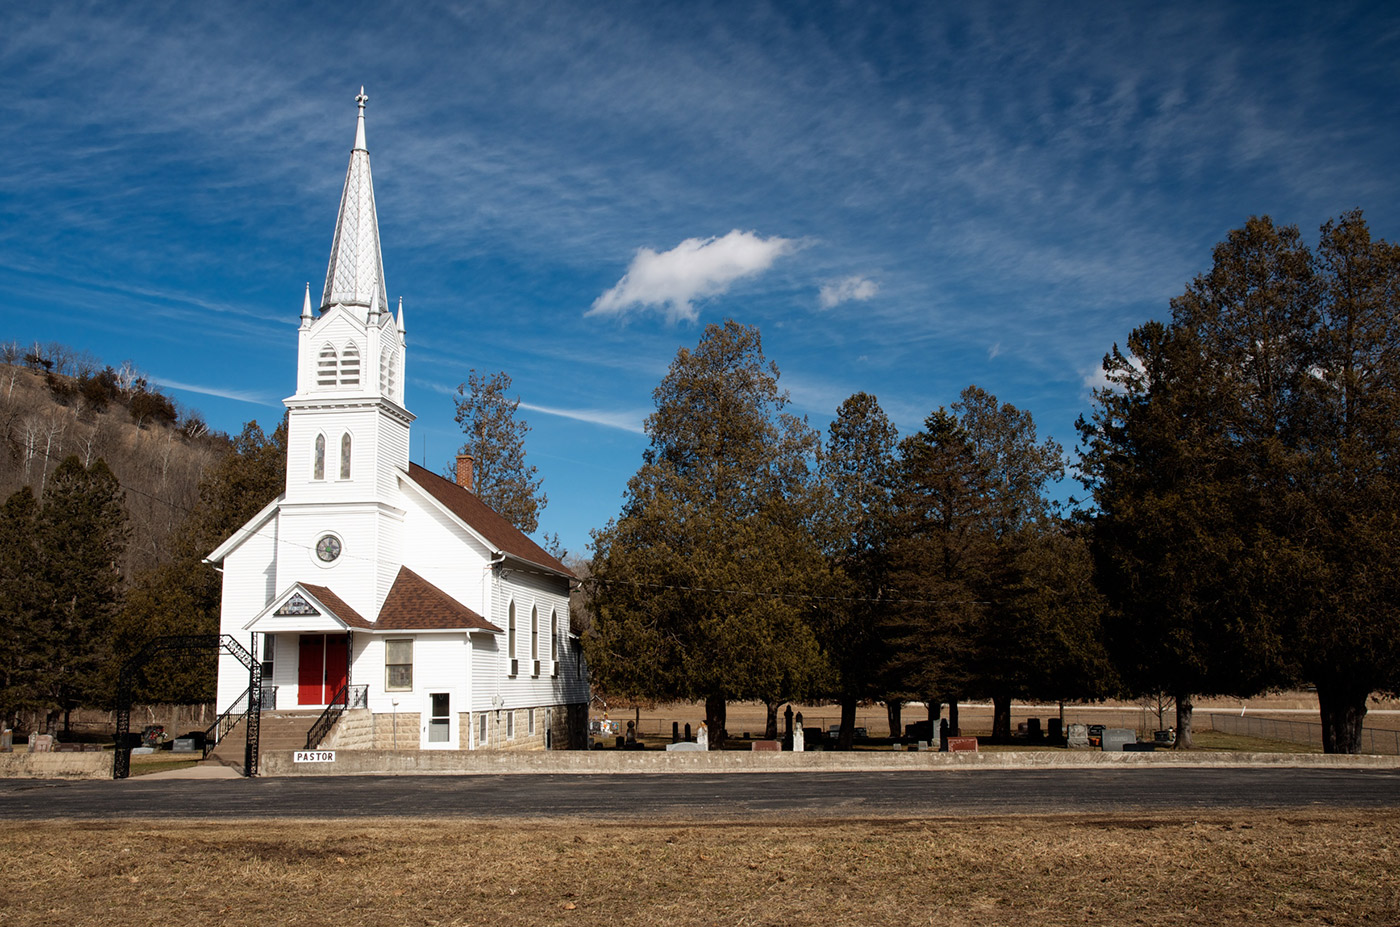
323,724
225,722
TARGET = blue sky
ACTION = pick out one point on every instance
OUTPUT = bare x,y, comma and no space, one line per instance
904,198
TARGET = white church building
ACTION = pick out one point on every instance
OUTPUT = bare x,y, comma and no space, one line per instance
375,583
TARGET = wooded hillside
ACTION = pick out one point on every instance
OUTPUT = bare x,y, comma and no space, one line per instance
55,402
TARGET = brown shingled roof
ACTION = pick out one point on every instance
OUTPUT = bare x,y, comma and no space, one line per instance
337,606
414,604
486,520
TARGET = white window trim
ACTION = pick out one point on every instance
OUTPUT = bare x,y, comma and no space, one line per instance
387,664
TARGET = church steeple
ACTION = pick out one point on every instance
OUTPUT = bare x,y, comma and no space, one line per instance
355,276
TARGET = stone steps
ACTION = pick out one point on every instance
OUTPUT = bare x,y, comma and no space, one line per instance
278,731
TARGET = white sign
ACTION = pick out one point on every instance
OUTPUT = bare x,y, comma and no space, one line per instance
314,756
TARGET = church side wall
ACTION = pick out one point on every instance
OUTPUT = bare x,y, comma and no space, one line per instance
549,594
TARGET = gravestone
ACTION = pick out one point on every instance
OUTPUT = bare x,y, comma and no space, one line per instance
767,746
40,743
1164,738
7,741
631,732
1115,737
1078,736
1033,728
675,732
702,736
943,731
687,732
1055,729
1139,747
183,745
962,744
799,739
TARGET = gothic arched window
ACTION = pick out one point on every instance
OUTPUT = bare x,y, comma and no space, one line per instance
327,366
350,366
554,637
535,636
510,636
386,372
345,456
318,462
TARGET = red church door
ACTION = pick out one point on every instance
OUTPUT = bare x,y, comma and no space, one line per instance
335,666
311,669
321,668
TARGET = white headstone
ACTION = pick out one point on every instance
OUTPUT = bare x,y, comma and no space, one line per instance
799,742
702,736
1077,735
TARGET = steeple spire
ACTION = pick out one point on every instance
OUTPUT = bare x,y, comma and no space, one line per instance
355,275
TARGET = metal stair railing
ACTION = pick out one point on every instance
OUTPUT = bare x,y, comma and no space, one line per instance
332,714
226,722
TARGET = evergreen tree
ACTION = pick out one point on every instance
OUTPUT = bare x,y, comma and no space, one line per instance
183,596
81,531
1340,507
23,641
970,504
704,584
495,438
857,470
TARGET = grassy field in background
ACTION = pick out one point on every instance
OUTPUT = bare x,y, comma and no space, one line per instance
1218,868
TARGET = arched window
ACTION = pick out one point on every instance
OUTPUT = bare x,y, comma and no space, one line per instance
318,461
386,372
350,366
535,637
327,367
554,637
345,456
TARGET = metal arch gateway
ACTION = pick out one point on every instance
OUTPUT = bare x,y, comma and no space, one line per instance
189,643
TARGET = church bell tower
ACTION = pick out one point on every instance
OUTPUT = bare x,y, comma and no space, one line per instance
348,430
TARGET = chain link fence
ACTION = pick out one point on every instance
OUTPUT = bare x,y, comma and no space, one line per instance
1380,742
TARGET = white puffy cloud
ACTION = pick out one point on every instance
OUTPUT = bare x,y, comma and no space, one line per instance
843,291
694,269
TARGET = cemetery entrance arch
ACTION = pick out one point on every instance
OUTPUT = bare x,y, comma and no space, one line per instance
189,643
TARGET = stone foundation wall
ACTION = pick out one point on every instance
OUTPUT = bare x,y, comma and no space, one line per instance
564,725
362,729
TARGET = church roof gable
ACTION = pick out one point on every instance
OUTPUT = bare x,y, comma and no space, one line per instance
307,607
414,604
251,527
484,520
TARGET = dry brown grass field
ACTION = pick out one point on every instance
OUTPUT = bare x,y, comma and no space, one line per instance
1219,868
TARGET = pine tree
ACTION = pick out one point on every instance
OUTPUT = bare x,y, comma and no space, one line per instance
81,531
857,471
183,596
23,643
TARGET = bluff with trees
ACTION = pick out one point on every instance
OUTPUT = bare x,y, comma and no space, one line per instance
112,497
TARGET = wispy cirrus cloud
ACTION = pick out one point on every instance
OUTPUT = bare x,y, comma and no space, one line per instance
854,288
623,421
670,281
237,395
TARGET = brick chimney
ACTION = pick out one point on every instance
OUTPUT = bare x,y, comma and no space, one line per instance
464,472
